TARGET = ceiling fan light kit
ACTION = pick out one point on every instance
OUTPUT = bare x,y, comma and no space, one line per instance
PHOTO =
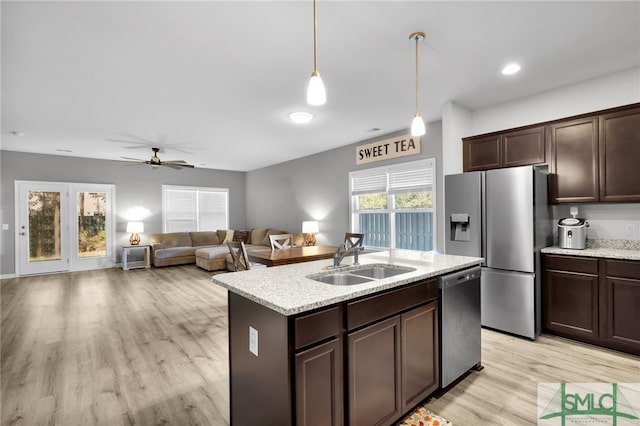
316,93
417,125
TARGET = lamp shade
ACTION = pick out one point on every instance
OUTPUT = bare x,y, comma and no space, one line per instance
316,94
135,227
417,126
310,227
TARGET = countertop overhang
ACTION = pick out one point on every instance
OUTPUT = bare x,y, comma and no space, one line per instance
288,291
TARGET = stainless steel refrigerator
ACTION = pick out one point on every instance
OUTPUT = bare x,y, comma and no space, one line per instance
503,216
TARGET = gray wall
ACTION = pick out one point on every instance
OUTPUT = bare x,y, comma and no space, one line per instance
135,186
317,188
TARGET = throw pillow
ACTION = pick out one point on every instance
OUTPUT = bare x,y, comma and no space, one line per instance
241,235
228,237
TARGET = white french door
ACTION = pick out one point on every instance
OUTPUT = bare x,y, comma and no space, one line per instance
63,227
43,236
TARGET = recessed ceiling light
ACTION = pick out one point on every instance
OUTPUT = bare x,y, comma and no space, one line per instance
374,129
16,133
301,117
511,69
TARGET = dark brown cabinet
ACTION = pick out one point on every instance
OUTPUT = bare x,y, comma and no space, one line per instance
318,387
592,157
619,147
622,283
593,300
319,368
419,357
505,149
365,361
574,161
374,374
481,153
393,353
571,296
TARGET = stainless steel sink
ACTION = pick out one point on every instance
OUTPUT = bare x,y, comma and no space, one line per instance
361,275
341,279
379,272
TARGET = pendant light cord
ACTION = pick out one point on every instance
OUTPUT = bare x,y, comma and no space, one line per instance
417,109
315,37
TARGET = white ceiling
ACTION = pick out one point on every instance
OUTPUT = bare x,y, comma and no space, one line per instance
212,82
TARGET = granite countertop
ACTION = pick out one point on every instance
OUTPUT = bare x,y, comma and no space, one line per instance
611,249
285,289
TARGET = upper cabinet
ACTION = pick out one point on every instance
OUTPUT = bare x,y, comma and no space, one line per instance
574,161
619,154
592,157
505,149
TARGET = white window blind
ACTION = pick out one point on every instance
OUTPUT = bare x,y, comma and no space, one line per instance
188,209
369,183
415,176
411,179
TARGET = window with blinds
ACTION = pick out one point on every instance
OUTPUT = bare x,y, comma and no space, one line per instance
186,208
394,205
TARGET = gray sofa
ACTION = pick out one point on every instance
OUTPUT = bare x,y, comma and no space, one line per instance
208,249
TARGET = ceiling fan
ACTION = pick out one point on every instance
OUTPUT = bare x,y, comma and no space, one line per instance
155,161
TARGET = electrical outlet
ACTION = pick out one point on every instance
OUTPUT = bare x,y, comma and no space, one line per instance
253,341
629,230
5,226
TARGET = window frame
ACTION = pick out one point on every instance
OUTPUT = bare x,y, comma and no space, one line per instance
166,189
428,164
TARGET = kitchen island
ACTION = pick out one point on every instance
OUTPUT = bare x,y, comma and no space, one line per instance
306,352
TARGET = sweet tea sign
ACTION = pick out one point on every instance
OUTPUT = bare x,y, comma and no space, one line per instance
399,146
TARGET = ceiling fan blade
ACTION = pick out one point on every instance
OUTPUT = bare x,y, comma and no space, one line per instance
173,166
184,151
174,161
123,141
134,159
177,165
138,138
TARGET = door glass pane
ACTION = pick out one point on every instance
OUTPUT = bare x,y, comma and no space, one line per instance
92,232
44,226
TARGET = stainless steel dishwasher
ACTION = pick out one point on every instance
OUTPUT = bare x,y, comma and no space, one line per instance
459,324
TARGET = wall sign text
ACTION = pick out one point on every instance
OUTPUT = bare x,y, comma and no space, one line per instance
399,146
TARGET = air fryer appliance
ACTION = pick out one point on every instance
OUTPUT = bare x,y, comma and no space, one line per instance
572,233
503,216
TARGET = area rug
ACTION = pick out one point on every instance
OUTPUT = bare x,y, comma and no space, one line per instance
424,417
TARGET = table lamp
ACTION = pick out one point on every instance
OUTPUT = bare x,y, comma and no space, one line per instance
134,228
310,227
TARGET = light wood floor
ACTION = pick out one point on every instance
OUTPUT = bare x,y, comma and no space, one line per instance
149,347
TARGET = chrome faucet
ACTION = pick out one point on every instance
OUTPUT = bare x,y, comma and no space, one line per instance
339,255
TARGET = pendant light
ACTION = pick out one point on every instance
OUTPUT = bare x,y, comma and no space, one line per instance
316,94
417,125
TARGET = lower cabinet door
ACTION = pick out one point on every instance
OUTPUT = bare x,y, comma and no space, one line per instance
419,354
623,314
319,385
571,304
374,374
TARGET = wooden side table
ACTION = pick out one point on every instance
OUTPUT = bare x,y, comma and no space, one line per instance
146,263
